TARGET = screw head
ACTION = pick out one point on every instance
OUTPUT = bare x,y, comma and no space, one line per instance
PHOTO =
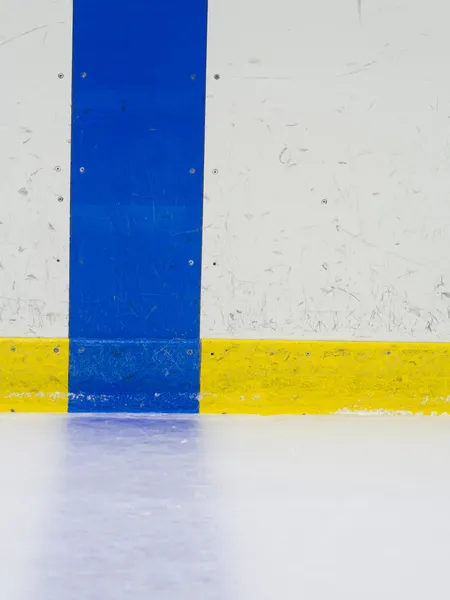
190,352
191,262
193,76
60,199
215,171
81,350
60,75
56,350
57,168
81,169
324,201
83,74
217,76
192,171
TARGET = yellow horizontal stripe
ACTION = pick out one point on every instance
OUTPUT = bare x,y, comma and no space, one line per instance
34,375
300,377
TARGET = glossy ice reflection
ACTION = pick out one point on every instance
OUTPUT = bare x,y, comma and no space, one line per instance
236,508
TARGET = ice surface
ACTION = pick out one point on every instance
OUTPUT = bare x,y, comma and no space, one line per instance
229,508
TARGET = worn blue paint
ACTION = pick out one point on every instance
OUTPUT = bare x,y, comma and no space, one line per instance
134,376
137,172
138,130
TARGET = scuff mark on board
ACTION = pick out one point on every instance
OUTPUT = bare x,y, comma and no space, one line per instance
359,70
33,174
19,35
280,156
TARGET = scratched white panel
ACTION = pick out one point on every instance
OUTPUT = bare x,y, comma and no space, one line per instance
35,47
327,186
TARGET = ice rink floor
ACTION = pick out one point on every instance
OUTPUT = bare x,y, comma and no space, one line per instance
226,508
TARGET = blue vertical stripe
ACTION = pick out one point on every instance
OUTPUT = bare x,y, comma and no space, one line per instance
136,213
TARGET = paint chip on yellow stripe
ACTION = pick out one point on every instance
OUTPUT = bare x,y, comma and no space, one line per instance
34,375
300,377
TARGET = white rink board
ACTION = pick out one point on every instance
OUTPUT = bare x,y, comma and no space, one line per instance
35,113
329,216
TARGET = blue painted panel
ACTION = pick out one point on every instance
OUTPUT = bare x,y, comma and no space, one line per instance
134,376
137,168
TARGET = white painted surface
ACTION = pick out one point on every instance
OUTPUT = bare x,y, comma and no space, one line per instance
35,45
329,216
224,508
